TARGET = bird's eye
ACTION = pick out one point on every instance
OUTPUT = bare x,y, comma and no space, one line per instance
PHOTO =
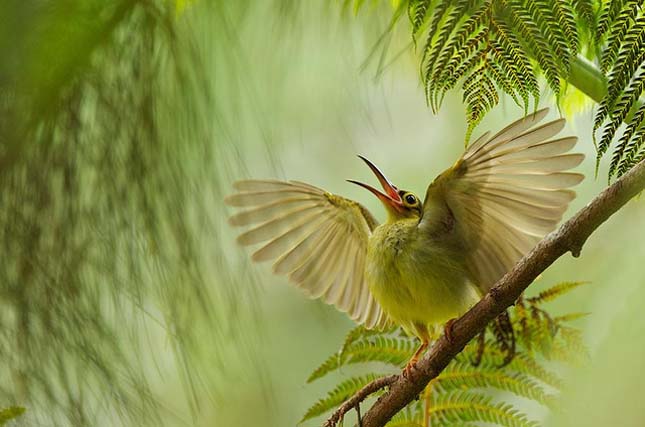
410,199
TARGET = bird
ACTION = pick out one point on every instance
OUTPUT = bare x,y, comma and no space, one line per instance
431,260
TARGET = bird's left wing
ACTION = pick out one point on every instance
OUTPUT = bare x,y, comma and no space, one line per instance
502,196
319,240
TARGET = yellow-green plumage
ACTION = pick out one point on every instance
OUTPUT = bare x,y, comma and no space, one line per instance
428,262
419,284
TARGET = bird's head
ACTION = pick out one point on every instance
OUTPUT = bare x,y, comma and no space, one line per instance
399,204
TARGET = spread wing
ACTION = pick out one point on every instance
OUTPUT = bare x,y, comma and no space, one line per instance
503,195
319,240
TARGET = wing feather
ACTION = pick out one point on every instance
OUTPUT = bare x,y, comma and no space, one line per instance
317,239
503,195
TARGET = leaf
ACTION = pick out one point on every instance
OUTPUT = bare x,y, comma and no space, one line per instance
555,291
461,406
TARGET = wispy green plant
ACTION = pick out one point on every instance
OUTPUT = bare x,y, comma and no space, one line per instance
109,133
474,388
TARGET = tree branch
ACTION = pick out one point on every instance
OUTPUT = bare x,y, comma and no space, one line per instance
570,237
358,397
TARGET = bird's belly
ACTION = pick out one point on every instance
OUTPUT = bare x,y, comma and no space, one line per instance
419,291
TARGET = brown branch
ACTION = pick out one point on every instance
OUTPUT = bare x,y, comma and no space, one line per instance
357,398
570,237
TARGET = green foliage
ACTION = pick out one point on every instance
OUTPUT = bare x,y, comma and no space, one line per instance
491,46
622,34
106,128
10,413
487,47
468,393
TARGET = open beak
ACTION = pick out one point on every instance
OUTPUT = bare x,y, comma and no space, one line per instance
391,196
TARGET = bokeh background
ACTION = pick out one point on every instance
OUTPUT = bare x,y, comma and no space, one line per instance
125,300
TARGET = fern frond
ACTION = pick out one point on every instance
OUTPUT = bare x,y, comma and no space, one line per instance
338,395
632,139
570,346
480,96
464,61
470,34
388,350
412,416
570,317
618,29
555,291
584,9
437,42
525,364
543,14
521,23
463,375
332,363
618,115
608,14
508,47
566,21
460,407
417,12
506,79
630,56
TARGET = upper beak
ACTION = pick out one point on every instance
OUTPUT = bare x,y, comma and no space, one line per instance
391,195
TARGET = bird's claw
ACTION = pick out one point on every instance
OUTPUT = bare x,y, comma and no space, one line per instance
448,332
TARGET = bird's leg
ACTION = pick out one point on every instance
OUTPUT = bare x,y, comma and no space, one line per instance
505,336
415,357
481,346
447,330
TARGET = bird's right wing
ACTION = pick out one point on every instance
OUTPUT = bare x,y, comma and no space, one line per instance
503,195
319,240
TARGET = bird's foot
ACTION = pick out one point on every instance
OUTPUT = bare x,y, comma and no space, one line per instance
448,330
412,364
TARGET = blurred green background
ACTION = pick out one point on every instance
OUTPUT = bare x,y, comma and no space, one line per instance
125,300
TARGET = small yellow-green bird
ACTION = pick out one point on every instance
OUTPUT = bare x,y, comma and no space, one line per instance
431,261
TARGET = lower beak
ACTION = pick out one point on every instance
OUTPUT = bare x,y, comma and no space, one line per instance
391,195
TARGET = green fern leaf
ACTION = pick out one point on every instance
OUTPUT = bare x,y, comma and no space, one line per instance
462,63
332,363
631,140
505,79
388,350
510,49
417,12
460,45
585,10
449,21
543,14
618,114
338,395
609,12
411,416
618,29
630,57
480,96
460,407
567,22
521,23
555,291
462,375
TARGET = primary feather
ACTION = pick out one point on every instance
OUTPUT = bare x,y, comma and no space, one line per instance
319,240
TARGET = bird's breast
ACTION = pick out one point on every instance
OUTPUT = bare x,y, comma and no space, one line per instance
414,279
